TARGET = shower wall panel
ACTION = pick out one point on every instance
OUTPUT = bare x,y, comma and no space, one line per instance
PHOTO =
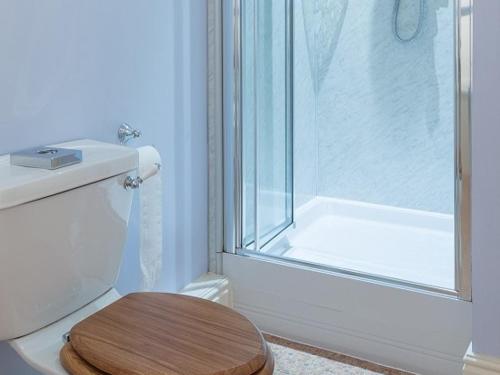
374,116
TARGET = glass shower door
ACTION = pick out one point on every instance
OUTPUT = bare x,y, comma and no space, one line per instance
266,123
376,185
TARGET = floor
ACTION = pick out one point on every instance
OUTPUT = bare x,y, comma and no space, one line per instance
292,358
410,245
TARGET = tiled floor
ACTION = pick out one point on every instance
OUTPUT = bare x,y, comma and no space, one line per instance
297,359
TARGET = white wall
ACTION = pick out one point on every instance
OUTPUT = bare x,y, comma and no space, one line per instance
486,178
74,69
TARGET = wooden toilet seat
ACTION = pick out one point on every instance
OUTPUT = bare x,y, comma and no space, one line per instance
75,365
166,334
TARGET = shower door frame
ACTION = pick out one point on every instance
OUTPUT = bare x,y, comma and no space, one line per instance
462,155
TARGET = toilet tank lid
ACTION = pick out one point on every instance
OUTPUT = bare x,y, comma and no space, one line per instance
100,160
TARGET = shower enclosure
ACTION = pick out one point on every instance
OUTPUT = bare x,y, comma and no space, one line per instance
352,138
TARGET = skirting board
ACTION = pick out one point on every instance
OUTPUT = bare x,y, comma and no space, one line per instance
476,364
400,328
211,286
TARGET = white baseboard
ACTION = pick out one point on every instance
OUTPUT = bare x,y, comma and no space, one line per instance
410,330
211,286
477,364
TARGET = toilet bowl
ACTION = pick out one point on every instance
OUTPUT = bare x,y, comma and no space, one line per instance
59,310
51,351
41,348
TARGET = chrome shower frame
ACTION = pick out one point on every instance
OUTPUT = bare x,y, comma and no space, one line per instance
463,87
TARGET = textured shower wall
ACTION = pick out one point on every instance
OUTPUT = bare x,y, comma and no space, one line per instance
379,125
305,160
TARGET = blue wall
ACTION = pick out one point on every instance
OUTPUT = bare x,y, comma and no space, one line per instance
374,117
78,69
486,179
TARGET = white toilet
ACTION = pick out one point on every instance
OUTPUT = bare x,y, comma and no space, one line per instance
62,234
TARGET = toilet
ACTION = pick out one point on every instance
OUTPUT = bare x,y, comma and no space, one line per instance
63,233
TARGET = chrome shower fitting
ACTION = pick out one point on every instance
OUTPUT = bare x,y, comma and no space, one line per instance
395,16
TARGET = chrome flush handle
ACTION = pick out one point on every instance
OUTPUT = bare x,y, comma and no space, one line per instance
132,183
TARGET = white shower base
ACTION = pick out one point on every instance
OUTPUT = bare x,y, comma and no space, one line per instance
410,245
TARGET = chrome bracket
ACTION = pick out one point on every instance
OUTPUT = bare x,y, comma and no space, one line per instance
126,133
